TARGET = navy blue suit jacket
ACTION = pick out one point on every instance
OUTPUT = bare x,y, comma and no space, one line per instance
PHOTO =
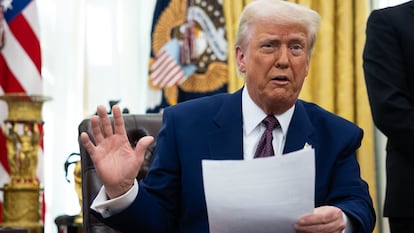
171,197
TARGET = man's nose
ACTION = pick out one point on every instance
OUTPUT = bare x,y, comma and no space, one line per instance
281,59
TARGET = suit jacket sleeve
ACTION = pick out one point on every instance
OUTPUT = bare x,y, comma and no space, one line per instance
338,180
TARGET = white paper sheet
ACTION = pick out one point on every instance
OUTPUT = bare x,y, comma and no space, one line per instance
260,195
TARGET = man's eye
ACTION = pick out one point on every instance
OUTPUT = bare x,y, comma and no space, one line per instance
267,45
296,47
267,48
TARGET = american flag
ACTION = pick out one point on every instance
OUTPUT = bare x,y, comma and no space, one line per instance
20,66
167,71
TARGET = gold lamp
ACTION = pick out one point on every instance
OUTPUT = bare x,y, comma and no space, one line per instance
21,206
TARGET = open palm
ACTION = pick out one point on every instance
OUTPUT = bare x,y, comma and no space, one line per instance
116,162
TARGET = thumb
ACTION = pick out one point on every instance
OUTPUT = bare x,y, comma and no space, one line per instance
143,144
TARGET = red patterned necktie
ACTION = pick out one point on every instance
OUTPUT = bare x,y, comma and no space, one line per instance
265,147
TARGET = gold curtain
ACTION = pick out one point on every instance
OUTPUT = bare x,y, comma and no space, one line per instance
335,79
232,10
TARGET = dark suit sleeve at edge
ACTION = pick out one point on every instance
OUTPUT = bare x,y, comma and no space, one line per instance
358,207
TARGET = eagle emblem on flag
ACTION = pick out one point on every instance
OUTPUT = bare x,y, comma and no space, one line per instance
188,49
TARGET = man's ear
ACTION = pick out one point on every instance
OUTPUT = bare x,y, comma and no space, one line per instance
240,59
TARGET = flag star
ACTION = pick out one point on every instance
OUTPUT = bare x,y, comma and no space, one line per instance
6,4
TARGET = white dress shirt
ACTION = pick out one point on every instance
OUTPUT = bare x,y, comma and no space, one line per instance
253,129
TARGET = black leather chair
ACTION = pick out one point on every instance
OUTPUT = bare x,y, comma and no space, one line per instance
136,126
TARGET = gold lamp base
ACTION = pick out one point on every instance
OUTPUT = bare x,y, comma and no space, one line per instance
21,206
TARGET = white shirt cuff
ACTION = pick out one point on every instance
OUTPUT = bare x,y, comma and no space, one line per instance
108,207
348,224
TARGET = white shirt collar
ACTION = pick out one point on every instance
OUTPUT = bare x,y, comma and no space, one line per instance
253,115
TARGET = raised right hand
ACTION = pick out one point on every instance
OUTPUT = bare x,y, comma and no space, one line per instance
117,164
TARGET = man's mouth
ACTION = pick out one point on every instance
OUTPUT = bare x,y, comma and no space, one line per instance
280,78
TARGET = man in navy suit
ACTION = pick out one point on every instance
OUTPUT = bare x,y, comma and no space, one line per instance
389,74
273,51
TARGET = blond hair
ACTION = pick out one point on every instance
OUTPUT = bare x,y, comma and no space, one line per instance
279,12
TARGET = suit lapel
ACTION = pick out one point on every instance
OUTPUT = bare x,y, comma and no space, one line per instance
226,140
300,130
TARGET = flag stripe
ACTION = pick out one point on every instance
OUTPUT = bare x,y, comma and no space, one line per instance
165,72
27,39
9,83
160,58
171,78
162,71
158,64
30,12
20,64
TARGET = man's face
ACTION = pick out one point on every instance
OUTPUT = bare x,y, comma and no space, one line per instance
275,61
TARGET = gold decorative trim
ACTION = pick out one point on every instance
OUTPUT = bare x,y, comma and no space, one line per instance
171,95
173,16
214,78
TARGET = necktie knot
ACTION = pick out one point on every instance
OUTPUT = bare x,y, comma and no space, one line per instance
270,122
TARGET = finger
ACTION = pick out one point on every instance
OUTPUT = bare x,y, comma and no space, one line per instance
87,143
323,214
324,219
96,129
143,144
325,227
329,213
315,220
105,122
118,121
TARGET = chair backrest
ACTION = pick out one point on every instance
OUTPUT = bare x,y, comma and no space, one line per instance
136,126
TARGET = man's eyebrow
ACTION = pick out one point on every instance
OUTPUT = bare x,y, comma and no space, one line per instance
298,39
270,38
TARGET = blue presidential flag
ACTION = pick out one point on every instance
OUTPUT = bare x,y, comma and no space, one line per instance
188,52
